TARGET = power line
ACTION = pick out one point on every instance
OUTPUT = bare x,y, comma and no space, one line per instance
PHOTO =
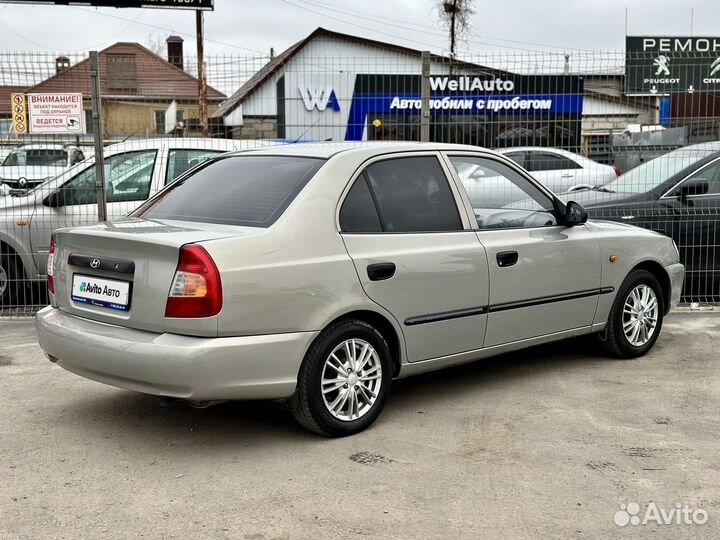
189,34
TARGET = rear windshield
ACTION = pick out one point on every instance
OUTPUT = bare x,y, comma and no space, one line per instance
235,190
22,158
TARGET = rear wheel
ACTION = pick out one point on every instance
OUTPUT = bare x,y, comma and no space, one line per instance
11,284
344,380
636,316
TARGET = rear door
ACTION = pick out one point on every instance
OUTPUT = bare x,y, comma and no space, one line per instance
130,178
554,171
544,277
415,253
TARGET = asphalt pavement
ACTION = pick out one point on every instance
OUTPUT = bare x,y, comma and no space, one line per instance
544,443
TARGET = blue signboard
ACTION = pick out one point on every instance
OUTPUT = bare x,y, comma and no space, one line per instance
464,95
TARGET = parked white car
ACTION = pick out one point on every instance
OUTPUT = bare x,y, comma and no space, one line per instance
134,171
29,165
561,170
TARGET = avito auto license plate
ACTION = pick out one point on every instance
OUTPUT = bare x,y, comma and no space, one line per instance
95,291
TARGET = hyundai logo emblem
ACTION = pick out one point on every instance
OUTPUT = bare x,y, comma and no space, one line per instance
95,263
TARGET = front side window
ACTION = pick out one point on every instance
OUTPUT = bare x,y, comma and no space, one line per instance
128,177
413,195
252,191
501,197
180,161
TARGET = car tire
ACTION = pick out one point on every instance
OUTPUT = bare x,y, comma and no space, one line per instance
344,380
11,284
639,304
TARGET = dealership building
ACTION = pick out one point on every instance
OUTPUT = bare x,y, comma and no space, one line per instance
340,87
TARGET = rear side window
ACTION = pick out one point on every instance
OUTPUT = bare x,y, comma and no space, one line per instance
180,161
413,195
236,190
358,213
549,162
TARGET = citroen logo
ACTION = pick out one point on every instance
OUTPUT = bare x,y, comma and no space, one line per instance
95,263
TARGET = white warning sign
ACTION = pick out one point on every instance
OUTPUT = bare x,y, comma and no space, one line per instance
56,113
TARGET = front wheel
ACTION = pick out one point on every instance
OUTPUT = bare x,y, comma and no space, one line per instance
344,380
636,316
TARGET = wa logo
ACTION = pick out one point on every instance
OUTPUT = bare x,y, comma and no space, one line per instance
319,98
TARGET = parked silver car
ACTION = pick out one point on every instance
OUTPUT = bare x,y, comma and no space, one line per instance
318,273
561,170
134,171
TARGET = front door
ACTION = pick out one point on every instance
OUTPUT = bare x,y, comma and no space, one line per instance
544,277
692,221
416,254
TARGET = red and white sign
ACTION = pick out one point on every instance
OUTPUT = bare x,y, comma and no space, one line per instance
56,113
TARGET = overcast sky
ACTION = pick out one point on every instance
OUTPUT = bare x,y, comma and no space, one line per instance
253,26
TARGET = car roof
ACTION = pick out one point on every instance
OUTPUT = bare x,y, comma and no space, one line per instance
330,149
188,143
538,149
42,147
713,146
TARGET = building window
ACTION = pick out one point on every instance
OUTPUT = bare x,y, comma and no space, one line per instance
89,126
160,121
121,71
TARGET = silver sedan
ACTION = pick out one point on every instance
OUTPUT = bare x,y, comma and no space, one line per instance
320,273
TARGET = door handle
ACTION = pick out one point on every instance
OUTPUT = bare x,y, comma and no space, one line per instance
507,258
380,271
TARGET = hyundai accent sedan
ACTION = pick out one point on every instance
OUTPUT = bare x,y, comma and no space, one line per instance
320,273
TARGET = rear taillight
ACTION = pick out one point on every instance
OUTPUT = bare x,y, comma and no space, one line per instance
50,264
617,171
196,289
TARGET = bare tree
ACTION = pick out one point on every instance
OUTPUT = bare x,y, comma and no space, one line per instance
155,43
455,16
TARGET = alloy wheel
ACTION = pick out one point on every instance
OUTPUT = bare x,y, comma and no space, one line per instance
640,315
351,379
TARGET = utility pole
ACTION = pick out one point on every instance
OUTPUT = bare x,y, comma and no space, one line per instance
98,131
452,8
202,84
425,98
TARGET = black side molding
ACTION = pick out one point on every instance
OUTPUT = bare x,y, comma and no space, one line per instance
102,263
481,310
446,315
550,299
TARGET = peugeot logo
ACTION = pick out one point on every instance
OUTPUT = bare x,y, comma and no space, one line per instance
95,263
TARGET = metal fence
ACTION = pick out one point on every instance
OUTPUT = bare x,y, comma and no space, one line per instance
566,117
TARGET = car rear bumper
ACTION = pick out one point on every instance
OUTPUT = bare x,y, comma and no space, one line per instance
247,367
676,273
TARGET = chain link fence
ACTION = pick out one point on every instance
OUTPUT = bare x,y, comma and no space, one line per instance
642,159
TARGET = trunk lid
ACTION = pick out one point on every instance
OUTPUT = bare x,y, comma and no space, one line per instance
120,272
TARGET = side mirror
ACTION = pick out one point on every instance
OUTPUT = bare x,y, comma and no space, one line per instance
55,200
696,186
575,214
